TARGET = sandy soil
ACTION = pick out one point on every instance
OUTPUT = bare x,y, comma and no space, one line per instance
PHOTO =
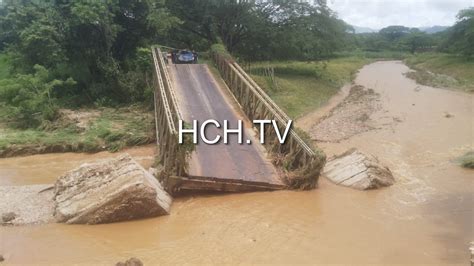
352,116
32,204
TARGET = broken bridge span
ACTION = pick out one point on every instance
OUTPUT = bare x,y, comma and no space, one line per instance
189,92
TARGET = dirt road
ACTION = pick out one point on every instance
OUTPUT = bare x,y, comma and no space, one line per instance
425,218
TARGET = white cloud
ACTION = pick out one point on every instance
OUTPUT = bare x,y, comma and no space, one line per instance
412,13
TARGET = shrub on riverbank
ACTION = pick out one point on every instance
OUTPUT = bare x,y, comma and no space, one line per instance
81,131
28,97
467,160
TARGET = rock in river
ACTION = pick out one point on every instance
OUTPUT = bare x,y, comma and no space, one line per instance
115,190
130,262
8,217
358,170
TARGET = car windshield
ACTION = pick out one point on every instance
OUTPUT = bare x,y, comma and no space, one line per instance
186,53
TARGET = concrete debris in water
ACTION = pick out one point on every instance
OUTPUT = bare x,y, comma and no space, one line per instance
357,170
115,190
130,262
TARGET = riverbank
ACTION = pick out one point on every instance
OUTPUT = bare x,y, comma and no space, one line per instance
302,87
430,204
81,130
442,70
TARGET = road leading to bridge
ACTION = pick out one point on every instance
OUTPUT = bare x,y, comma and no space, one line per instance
200,97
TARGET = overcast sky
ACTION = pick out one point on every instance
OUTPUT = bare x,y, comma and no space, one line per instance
377,14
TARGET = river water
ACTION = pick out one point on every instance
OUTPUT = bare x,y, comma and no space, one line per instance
426,217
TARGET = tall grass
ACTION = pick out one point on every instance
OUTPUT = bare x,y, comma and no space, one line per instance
443,70
112,130
378,55
305,86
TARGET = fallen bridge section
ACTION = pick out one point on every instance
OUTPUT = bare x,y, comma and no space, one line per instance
201,98
190,92
300,163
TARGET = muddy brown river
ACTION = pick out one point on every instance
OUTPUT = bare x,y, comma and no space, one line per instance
426,217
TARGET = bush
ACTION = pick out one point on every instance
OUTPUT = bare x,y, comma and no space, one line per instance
28,98
467,160
220,49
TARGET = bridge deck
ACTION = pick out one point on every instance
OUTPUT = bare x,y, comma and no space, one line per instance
228,167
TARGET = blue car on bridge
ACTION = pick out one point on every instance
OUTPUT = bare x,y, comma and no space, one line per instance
184,57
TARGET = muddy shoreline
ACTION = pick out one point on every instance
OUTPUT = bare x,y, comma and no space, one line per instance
424,218
33,149
81,130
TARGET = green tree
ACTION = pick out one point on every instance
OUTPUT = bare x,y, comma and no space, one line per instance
395,32
417,40
210,20
462,33
373,42
261,29
91,41
29,97
32,33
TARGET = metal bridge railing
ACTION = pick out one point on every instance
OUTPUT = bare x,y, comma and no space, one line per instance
300,163
167,115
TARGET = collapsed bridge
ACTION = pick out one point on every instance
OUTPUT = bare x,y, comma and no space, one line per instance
189,92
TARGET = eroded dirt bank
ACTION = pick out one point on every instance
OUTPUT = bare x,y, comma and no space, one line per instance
426,217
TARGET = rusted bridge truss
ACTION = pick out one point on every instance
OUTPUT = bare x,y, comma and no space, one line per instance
301,165
171,155
298,164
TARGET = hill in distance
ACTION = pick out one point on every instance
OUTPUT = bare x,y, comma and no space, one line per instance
433,29
358,29
429,30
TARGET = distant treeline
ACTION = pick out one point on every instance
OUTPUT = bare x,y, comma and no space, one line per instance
458,39
71,53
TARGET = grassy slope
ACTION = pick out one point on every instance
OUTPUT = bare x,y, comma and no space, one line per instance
112,129
304,86
442,70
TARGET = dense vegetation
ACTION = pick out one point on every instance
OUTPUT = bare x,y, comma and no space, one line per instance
245,28
75,53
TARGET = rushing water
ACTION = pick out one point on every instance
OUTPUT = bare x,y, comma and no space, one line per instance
426,217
